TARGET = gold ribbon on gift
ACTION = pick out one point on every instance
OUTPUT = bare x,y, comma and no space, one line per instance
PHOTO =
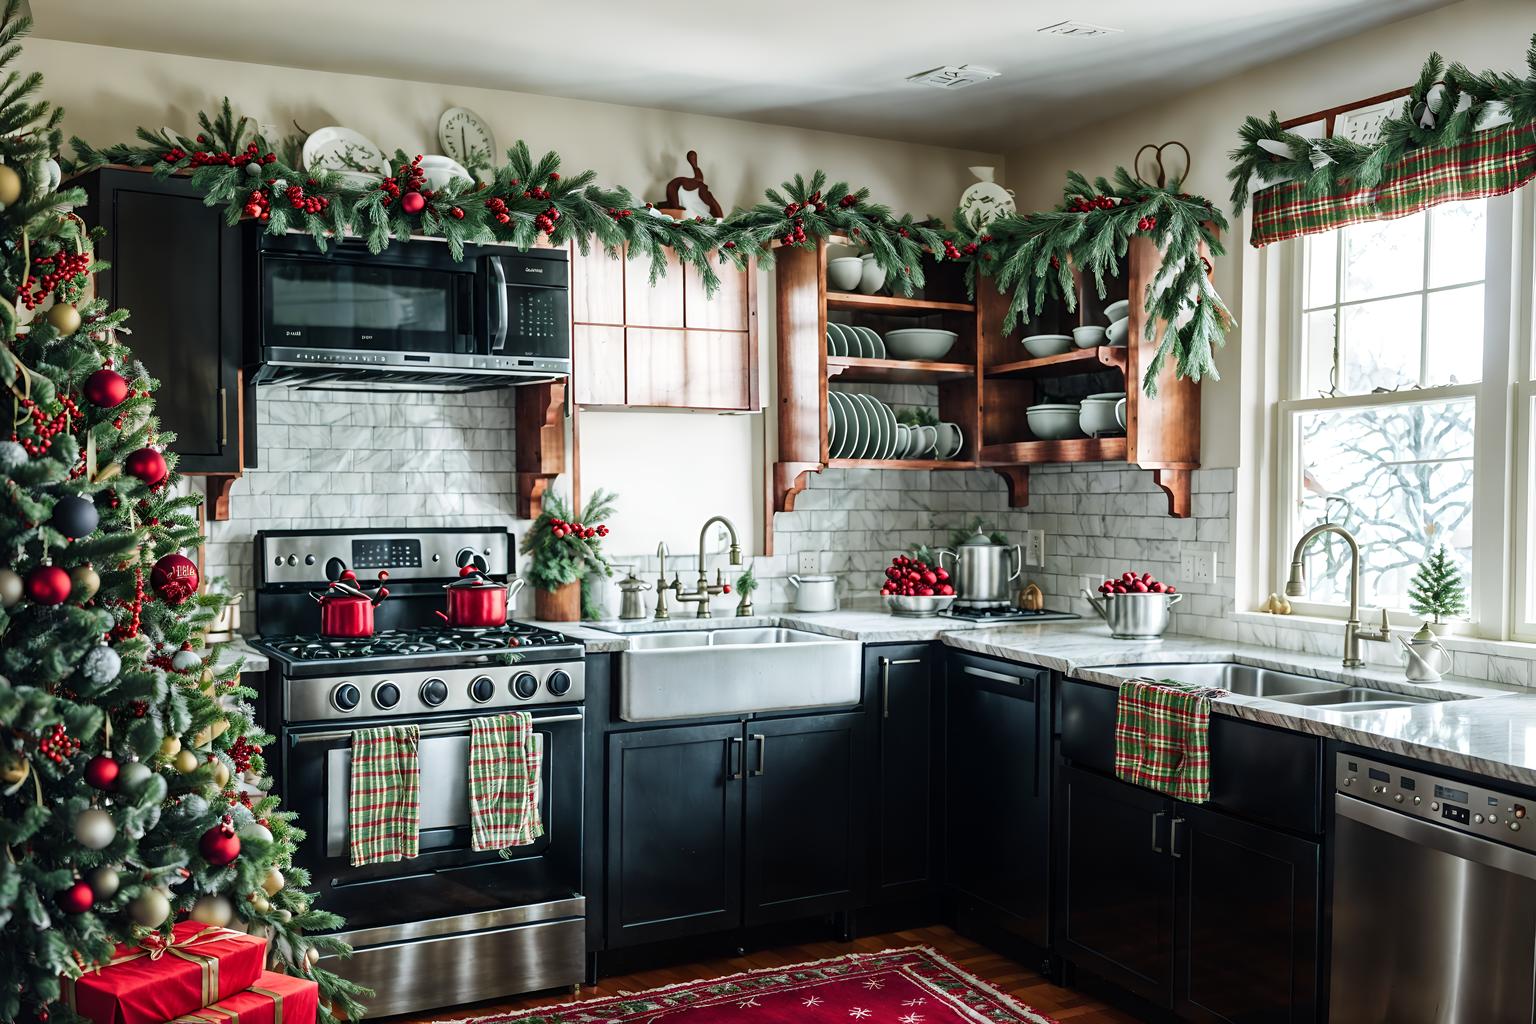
226,1016
207,961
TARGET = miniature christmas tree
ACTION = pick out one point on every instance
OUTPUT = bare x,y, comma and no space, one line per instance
130,765
1437,589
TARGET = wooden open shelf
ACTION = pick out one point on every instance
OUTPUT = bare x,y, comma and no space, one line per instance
1083,360
894,304
1075,449
901,464
852,370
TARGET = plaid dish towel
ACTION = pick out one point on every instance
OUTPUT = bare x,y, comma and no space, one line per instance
504,762
384,805
1162,737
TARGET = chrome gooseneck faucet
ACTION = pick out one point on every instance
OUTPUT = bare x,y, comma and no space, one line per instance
1353,634
705,590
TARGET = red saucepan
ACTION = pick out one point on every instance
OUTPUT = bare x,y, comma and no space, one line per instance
477,602
345,611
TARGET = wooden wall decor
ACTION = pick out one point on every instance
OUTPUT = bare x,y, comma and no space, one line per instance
540,456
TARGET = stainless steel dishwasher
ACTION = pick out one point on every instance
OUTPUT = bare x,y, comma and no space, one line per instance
1434,900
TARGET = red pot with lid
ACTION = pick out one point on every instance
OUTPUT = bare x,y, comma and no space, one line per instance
346,612
475,601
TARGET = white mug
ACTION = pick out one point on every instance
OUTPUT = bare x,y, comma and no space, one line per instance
1120,413
929,439
948,440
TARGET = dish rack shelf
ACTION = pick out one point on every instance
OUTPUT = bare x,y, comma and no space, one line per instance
983,385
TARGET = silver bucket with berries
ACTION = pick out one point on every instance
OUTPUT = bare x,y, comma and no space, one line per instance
916,589
1135,607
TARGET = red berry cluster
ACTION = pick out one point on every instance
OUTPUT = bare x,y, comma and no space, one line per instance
414,177
237,797
498,208
848,200
1130,583
44,427
546,220
56,745
1084,204
130,629
210,158
912,577
951,250
534,192
241,753
456,213
307,203
561,529
1146,224
56,269
618,214
258,204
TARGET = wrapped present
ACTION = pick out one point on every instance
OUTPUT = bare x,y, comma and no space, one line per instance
274,999
165,978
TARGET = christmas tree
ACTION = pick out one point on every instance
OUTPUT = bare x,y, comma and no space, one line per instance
130,765
1436,589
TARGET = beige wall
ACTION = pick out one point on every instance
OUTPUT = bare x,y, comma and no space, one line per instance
108,92
1480,33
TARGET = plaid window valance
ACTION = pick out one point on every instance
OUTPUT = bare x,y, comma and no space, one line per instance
1490,163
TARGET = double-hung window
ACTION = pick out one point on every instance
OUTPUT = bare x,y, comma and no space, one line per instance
1405,408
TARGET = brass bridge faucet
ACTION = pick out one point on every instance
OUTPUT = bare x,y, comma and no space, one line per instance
704,589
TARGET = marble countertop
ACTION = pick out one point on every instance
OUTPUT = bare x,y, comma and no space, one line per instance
869,626
255,661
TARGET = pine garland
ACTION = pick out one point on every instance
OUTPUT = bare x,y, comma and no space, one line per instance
1325,166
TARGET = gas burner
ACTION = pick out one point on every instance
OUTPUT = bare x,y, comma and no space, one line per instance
1007,614
397,643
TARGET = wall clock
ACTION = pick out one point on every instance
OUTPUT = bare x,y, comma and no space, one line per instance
466,137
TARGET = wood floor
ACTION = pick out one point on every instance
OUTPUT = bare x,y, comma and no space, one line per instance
1028,987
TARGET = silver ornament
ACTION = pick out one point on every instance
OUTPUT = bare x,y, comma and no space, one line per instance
253,168
95,829
103,881
214,910
12,456
101,665
255,831
132,776
149,908
186,661
11,587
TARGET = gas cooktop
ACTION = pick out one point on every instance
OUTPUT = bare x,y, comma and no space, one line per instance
437,644
1007,614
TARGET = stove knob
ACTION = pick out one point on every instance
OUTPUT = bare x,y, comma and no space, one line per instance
525,685
386,695
559,683
345,697
482,689
434,692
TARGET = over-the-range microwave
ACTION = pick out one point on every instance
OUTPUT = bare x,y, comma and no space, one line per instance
409,318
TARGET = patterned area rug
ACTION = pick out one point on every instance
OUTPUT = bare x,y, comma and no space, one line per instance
899,986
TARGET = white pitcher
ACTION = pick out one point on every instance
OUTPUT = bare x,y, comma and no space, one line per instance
1428,659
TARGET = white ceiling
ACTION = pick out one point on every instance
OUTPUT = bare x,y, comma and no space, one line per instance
837,64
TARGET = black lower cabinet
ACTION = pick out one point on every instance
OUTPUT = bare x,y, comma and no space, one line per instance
997,834
902,694
674,832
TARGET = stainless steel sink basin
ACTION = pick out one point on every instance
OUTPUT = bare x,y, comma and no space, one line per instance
1240,679
1357,698
705,673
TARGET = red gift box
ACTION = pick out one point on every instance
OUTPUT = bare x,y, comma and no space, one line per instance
162,979
274,999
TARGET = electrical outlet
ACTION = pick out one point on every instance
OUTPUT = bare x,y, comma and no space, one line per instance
810,562
1034,548
1187,566
1199,566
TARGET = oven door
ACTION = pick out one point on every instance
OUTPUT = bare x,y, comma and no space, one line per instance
447,877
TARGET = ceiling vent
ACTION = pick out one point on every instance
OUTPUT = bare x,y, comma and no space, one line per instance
953,76
1078,30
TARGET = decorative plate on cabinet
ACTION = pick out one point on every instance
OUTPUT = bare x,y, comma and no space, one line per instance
355,157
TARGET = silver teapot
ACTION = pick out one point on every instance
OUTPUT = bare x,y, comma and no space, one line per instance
983,571
1428,660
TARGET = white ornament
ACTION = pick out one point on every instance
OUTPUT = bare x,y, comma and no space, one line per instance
12,456
255,831
132,777
95,829
984,201
101,665
186,661
274,882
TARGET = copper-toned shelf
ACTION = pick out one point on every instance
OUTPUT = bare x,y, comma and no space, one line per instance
894,304
900,464
851,370
1083,360
1077,449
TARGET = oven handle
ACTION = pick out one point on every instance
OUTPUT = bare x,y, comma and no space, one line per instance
499,344
441,730
1437,837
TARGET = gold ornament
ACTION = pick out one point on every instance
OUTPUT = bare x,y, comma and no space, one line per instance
170,746
107,472
10,185
83,582
210,733
149,908
13,772
213,910
311,957
206,681
274,882
220,774
260,903
187,762
64,318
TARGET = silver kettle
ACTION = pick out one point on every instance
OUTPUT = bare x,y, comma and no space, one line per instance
631,606
1428,659
983,571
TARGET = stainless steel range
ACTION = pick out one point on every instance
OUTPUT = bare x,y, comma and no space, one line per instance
451,925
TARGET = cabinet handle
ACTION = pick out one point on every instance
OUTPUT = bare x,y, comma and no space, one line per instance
1173,837
885,681
762,754
1157,823
223,417
733,757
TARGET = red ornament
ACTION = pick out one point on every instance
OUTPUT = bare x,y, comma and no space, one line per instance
413,202
48,584
148,465
106,388
77,899
174,578
219,845
101,771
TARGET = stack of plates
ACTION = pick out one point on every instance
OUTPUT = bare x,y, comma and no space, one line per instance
861,427
854,342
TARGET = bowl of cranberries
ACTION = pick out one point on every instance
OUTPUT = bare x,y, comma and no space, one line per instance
1136,607
915,589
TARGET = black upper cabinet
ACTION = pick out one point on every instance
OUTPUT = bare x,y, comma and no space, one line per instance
805,816
176,267
997,789
900,692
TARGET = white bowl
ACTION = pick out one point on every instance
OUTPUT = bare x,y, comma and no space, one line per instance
1088,337
1098,414
1042,345
919,343
1118,332
1053,421
844,273
1117,310
872,277
440,170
